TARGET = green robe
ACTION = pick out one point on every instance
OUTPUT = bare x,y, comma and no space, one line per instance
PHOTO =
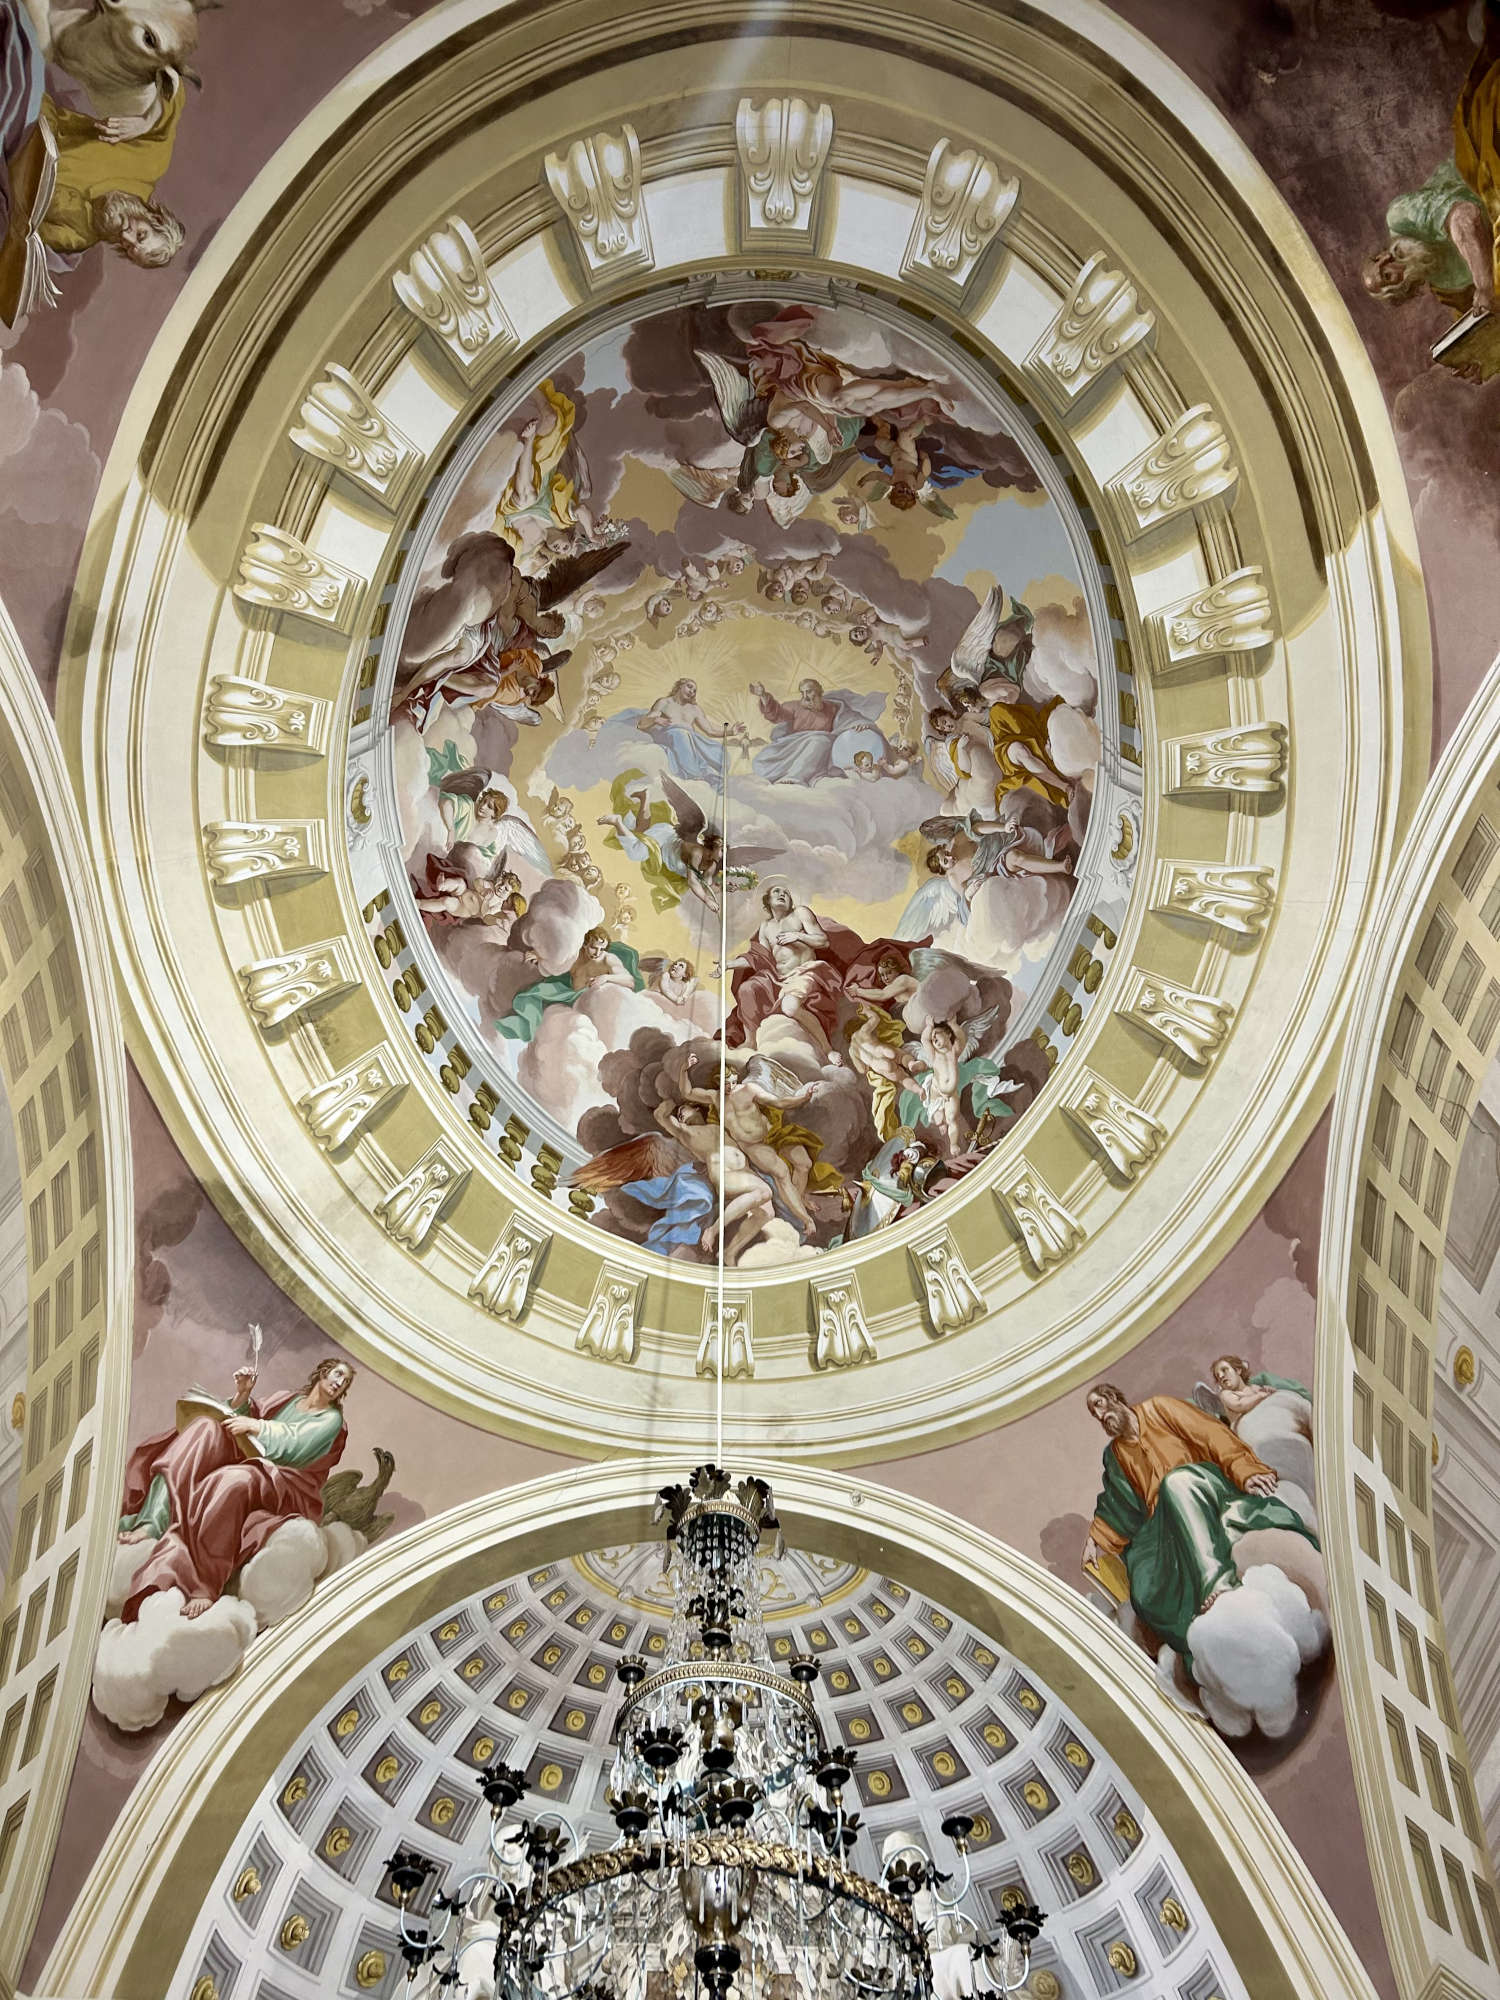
294,1436
1183,1550
1423,215
526,1010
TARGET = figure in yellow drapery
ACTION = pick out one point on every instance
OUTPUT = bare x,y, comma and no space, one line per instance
544,496
1476,143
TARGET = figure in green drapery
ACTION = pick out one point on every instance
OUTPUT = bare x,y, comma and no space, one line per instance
599,963
1180,1489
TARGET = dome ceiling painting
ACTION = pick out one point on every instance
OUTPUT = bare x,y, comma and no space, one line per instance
771,625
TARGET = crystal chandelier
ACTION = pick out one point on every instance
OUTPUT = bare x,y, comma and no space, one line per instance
729,1875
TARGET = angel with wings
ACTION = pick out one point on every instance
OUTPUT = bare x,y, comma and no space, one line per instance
694,1178
953,1070
485,828
492,899
678,851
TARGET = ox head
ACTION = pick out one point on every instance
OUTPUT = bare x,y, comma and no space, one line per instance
120,43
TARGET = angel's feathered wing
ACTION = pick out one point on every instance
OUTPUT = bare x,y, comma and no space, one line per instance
687,814
744,413
1208,1401
704,484
647,1158
471,785
937,904
970,655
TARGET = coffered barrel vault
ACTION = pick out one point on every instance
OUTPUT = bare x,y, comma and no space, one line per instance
480,197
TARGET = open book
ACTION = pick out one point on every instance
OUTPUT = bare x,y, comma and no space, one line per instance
1472,342
25,282
200,1403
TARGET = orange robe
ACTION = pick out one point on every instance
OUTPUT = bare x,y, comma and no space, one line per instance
1174,1433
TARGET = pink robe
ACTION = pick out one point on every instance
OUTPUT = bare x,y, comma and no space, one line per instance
224,1507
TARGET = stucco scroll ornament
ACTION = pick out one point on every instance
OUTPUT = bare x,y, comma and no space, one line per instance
1189,464
1231,616
337,1111
783,147
278,988
1220,893
1189,1023
966,202
841,1336
341,425
446,284
245,714
237,850
739,1345
1249,759
1125,1136
950,1297
1100,323
1047,1231
597,185
505,1285
410,1212
611,1326
277,573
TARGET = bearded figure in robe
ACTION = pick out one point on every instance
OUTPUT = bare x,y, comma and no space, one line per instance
210,1494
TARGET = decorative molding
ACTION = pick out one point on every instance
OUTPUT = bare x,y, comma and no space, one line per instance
278,573
966,202
611,1328
410,1212
1247,761
1187,465
1189,1023
739,1344
1230,616
950,1298
783,149
1047,1231
1220,894
240,850
341,426
505,1285
1101,322
278,988
841,1336
335,1111
597,185
245,714
446,285
1126,1137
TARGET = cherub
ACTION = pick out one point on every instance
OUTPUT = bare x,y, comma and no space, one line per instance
462,899
674,979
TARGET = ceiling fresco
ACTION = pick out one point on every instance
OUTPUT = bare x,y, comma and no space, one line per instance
767,632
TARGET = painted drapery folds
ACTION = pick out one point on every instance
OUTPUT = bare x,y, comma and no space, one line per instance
770,627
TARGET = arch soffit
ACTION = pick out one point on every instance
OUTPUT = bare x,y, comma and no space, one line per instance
1113,152
160,1861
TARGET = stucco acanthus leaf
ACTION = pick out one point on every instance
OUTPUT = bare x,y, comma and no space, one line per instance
237,850
410,1212
446,284
950,1297
597,185
505,1285
1047,1231
1189,1023
278,988
245,714
342,426
1231,616
966,202
738,1345
611,1326
1234,898
277,573
1125,1136
1249,759
1187,465
1101,321
337,1111
841,1336
783,148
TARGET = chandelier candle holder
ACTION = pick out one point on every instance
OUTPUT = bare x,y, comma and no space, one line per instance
729,1876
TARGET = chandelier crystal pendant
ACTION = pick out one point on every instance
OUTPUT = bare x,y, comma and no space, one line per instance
729,1877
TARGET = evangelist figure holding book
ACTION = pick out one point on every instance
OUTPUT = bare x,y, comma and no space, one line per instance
212,1492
